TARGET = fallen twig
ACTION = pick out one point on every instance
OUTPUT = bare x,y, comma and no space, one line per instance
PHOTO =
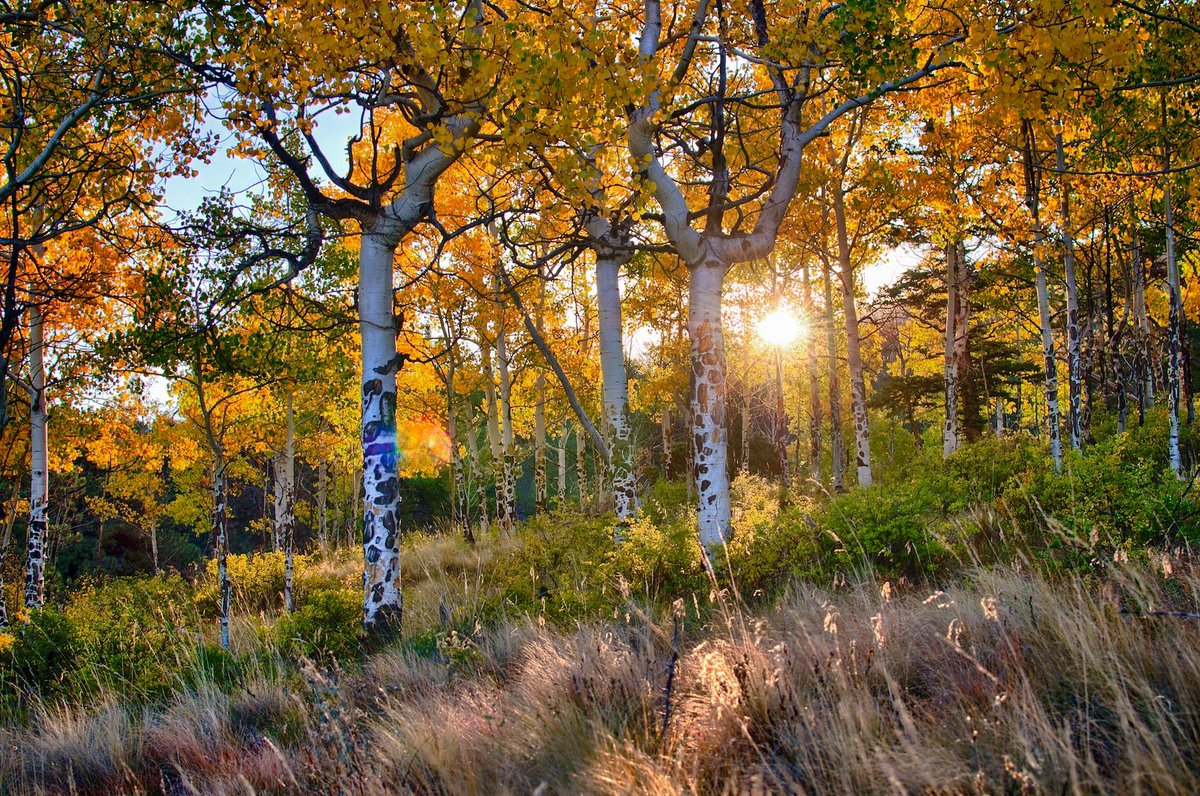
1176,614
670,680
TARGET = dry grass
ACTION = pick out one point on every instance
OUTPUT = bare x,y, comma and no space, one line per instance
1007,682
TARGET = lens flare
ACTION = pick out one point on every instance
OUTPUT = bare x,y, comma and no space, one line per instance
779,327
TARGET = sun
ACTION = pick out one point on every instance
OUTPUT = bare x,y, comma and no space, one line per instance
779,327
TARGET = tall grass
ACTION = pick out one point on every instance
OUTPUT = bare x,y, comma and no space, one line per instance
1005,681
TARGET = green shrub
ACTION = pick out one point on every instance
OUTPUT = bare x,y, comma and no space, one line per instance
256,581
323,627
666,499
764,556
656,559
554,569
133,633
886,528
211,666
1113,497
43,658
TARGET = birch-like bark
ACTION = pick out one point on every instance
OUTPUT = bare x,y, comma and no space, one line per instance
837,450
495,442
951,438
323,506
539,414
220,529
713,251
744,456
39,483
1032,199
708,405
1074,351
665,431
581,474
383,229
1048,358
288,529
962,340
9,519
153,547
540,487
615,384
382,600
781,428
506,424
279,501
1175,315
562,463
598,441
460,507
460,513
477,488
858,385
1145,372
814,385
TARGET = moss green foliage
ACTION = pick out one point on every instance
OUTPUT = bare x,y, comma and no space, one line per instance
323,627
132,635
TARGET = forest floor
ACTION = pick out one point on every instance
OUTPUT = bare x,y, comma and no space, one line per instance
1001,681
528,665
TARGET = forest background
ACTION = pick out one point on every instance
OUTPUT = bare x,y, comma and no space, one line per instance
554,314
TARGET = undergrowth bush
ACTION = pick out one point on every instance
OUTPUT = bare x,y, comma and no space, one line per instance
324,626
135,634
994,501
131,636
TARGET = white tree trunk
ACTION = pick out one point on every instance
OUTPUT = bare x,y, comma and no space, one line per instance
781,426
539,411
708,404
747,414
1143,322
858,385
506,425
39,484
460,507
495,443
665,430
1032,199
962,321
1074,355
279,503
382,600
539,444
476,471
837,451
220,530
153,548
8,524
562,463
951,437
615,384
323,506
581,475
1174,336
1048,359
814,385
288,524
